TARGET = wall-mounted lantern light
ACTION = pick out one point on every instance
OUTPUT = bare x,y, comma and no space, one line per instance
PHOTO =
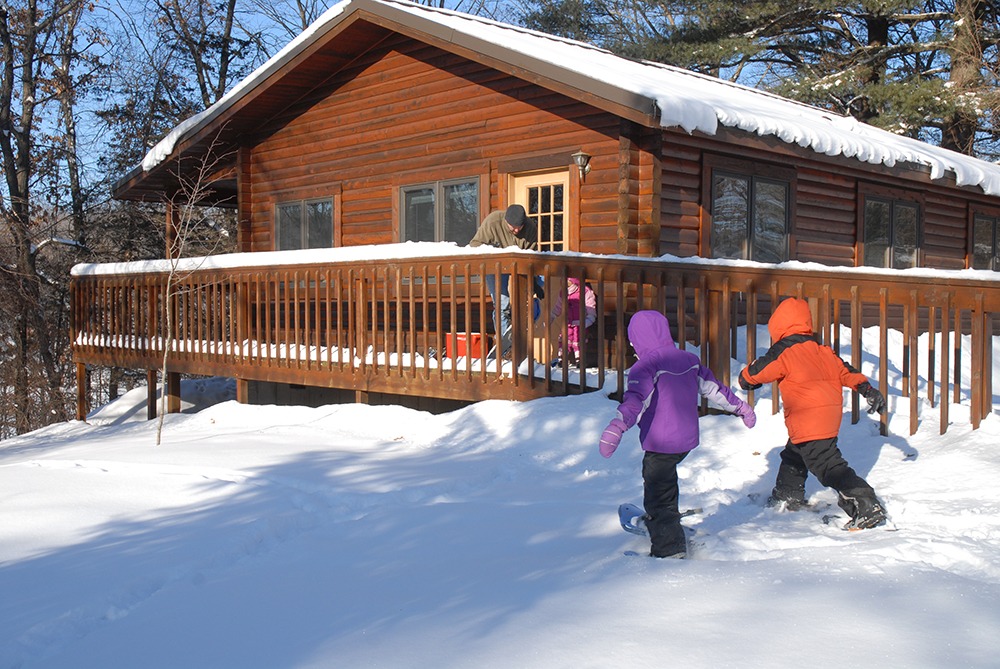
582,161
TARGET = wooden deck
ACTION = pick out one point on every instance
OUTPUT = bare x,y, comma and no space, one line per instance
385,325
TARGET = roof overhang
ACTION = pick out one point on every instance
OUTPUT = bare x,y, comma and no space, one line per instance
649,94
328,45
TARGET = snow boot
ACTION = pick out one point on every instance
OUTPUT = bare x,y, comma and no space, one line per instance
787,499
865,511
676,551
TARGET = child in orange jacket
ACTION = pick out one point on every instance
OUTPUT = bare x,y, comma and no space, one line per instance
810,379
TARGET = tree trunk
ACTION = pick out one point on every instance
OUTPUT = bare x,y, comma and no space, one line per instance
872,70
958,131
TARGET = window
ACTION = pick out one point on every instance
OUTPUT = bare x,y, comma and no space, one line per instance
749,217
890,232
441,211
985,254
306,224
544,198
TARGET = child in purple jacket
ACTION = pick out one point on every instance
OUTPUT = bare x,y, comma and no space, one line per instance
664,389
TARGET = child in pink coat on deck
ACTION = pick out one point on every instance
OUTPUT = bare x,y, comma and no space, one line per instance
577,302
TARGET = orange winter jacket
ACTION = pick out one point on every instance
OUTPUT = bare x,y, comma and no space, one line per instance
810,376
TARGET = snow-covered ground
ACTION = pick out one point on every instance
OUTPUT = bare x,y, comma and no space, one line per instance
357,536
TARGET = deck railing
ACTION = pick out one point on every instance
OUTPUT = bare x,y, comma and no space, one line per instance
423,326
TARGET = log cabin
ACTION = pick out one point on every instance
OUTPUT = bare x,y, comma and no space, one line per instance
393,126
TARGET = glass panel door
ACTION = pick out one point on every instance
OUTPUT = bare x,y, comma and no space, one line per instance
544,198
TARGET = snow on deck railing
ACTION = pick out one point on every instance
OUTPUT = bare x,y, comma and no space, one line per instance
449,250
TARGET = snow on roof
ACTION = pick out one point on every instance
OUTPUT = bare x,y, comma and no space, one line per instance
683,99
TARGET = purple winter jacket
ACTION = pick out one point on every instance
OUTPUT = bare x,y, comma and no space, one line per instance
664,388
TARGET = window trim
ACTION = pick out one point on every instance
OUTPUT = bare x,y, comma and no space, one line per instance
478,169
438,186
334,202
754,170
893,196
977,211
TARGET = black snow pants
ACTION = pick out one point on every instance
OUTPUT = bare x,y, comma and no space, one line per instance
663,519
821,458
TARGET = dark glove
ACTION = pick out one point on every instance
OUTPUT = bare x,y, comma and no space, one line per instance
539,290
745,411
612,436
746,385
876,403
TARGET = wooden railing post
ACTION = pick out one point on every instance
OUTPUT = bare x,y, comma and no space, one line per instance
945,359
978,356
911,365
883,356
987,364
751,332
856,339
719,349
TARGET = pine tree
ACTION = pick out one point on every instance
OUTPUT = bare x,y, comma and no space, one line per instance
923,68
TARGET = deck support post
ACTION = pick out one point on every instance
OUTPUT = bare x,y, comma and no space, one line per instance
82,403
151,387
242,391
173,388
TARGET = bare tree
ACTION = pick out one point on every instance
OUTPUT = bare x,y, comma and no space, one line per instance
210,41
290,17
37,43
191,230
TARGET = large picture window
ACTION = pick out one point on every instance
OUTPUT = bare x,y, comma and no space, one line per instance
305,224
985,251
750,217
440,211
891,232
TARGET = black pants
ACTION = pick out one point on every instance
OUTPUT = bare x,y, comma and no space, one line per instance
822,459
659,477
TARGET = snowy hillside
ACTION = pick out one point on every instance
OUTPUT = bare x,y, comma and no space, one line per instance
357,536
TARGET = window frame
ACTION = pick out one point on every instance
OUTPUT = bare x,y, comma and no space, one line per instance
754,172
438,187
993,215
894,197
303,203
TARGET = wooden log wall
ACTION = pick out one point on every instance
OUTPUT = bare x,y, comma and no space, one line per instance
408,113
826,199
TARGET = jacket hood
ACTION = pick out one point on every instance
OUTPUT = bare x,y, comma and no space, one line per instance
791,317
649,331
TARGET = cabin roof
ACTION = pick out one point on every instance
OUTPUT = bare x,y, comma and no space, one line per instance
650,93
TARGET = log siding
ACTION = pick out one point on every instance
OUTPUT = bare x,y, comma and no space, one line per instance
406,112
826,223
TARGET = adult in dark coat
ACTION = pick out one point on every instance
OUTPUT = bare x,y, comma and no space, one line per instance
501,229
